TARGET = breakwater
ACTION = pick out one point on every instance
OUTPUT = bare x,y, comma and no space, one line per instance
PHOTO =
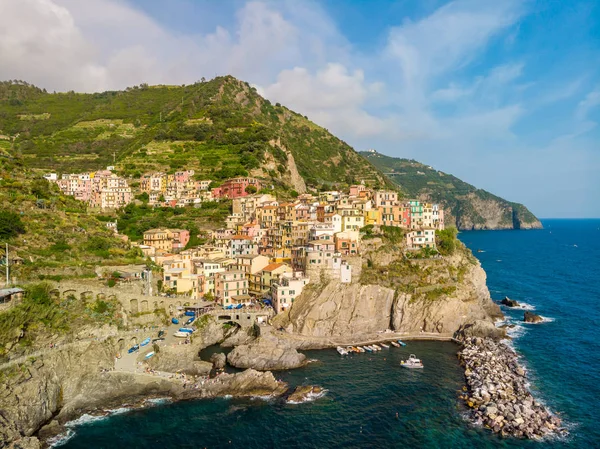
498,394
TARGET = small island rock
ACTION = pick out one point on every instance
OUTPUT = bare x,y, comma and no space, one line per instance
532,318
509,302
303,393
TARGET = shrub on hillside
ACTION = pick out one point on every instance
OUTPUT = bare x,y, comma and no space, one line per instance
10,224
446,241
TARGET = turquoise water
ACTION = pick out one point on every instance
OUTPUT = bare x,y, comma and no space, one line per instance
541,268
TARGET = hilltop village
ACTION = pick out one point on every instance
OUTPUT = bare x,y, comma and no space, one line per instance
269,249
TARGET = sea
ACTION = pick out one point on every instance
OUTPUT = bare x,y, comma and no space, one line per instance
370,402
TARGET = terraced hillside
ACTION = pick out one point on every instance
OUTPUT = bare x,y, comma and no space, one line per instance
50,234
466,206
221,128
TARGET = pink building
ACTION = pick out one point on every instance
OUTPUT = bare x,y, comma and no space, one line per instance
235,187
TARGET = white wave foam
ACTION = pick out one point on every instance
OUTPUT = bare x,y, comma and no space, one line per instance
119,411
158,401
85,419
310,397
521,306
545,319
516,331
60,439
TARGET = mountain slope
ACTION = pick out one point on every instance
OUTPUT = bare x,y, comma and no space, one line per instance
221,128
465,205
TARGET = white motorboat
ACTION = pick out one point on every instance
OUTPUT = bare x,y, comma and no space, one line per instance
385,346
342,351
181,335
361,349
394,344
376,347
412,362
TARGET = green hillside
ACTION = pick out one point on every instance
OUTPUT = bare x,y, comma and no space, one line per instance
470,207
220,128
51,233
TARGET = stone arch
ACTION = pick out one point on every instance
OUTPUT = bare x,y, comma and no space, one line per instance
121,344
133,341
162,305
155,305
70,292
86,296
100,296
186,304
112,297
178,303
133,306
54,294
144,306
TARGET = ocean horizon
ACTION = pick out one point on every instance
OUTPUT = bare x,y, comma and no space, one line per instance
371,402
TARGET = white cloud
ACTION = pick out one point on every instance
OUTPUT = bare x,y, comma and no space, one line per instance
421,93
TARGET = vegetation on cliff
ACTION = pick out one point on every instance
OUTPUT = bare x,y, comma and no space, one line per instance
466,206
40,316
220,128
49,230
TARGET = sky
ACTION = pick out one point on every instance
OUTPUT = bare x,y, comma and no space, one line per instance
504,94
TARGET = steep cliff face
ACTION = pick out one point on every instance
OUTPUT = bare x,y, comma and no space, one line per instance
337,309
433,297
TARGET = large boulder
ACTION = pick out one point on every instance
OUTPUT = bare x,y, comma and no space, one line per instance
480,328
509,302
532,318
218,360
265,356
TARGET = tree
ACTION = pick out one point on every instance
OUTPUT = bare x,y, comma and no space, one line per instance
294,194
161,198
143,197
251,190
10,225
446,241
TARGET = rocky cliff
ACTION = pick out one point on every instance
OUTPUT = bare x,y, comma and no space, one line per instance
432,297
45,391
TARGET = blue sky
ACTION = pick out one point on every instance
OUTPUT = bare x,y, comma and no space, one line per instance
503,94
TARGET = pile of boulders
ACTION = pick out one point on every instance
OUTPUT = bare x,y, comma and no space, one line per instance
498,395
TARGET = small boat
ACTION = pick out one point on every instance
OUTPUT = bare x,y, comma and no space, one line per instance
401,343
150,354
161,333
368,348
145,342
133,349
190,321
361,349
377,347
174,321
181,334
342,351
350,349
186,329
383,345
394,344
412,362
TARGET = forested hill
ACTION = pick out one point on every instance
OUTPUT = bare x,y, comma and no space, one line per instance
221,128
470,207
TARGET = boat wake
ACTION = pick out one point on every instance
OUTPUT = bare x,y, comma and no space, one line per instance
310,397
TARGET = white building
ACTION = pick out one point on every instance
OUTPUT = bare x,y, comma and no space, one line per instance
288,288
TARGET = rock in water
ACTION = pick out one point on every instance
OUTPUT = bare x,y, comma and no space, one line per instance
509,302
218,360
265,356
304,393
532,318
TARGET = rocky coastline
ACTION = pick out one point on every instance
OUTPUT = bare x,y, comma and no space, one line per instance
497,392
